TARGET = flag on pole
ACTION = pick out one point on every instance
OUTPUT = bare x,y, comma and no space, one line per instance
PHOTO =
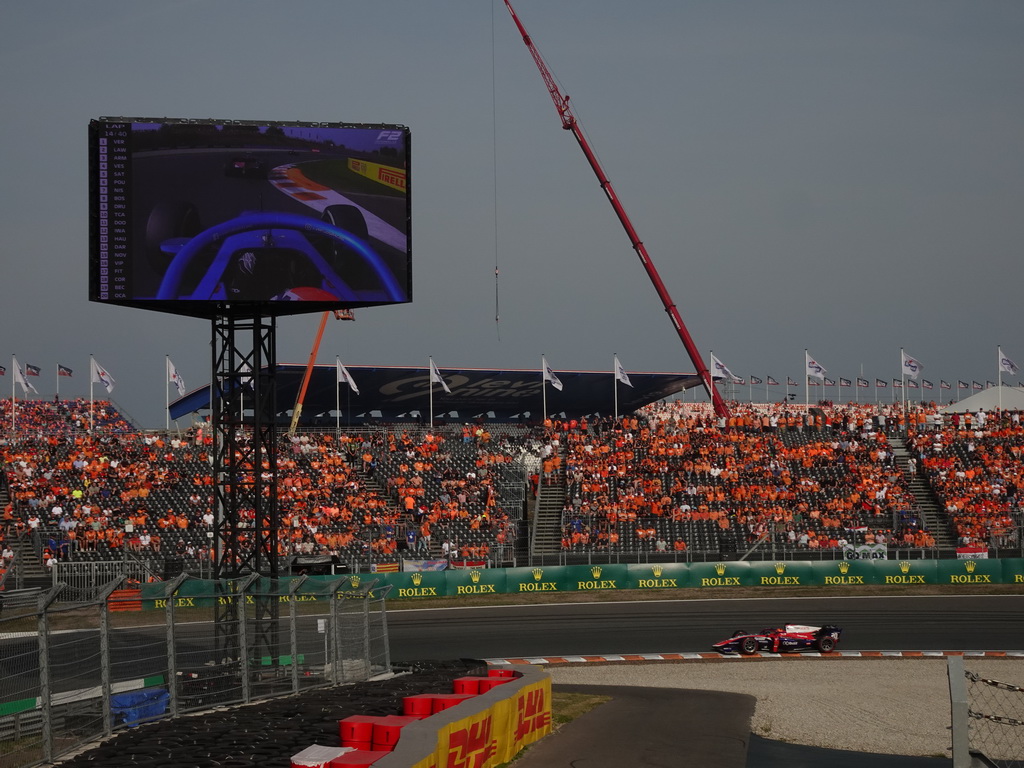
911,384
911,367
437,378
175,378
344,377
880,383
989,384
814,368
976,386
927,384
845,382
897,383
756,380
829,382
863,382
549,375
3,371
772,382
790,382
812,382
101,376
63,370
962,384
1006,365
721,370
943,384
32,370
620,373
19,378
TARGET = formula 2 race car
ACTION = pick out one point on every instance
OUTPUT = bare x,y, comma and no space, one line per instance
790,638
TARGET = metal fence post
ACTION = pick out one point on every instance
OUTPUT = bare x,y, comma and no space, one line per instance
334,627
170,591
242,595
45,699
105,685
293,630
958,712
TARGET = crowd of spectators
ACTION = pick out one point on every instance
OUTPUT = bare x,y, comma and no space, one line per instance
672,477
975,464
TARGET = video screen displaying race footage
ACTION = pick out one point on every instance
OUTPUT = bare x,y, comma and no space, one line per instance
203,218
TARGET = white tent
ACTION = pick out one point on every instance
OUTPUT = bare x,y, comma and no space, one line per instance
988,400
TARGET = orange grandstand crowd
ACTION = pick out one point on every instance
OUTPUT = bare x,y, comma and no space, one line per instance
672,478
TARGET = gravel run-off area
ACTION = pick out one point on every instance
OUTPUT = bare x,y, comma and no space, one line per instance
895,706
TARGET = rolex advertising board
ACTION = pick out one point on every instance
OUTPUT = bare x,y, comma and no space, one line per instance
418,583
657,576
792,573
538,579
970,572
464,582
724,574
586,578
904,572
845,573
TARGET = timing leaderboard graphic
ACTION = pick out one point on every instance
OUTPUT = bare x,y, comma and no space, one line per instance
191,216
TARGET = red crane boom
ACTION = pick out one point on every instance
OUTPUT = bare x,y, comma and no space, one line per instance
570,123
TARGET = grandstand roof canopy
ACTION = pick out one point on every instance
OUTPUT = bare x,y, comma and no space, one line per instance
392,393
1009,398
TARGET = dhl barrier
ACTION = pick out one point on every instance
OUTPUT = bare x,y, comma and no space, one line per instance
585,578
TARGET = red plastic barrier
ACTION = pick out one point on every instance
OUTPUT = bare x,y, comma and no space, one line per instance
443,701
357,729
388,729
421,704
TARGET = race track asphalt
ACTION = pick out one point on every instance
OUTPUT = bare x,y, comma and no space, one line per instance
661,727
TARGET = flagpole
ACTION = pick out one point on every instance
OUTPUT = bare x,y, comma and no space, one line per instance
14,399
92,368
615,384
807,393
544,391
337,397
430,380
999,375
58,381
167,393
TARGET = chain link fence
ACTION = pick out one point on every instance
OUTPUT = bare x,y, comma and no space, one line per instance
72,672
987,719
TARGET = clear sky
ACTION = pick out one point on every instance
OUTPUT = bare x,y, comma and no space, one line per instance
845,177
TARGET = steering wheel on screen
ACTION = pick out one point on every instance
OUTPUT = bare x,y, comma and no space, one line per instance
170,286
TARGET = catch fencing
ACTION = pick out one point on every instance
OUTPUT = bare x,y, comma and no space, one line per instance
987,719
75,672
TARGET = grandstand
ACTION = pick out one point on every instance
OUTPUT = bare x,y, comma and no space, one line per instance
668,482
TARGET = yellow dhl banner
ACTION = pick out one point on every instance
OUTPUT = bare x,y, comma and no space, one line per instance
497,734
383,174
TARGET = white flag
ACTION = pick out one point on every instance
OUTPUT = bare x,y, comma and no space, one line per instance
344,377
549,375
1006,365
911,367
436,378
19,378
100,374
814,368
175,378
721,370
620,373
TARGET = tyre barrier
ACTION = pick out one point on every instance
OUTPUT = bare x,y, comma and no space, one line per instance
485,721
268,733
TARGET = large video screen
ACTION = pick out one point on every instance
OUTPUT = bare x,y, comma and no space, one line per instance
204,217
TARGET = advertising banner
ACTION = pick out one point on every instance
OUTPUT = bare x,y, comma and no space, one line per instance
417,583
552,579
585,578
905,572
657,576
476,581
723,574
845,573
980,571
794,573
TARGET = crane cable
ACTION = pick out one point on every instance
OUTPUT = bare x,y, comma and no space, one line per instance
494,160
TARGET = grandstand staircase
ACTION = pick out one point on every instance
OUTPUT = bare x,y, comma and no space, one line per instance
547,520
932,514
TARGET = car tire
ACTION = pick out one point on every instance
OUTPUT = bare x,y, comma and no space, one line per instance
168,220
826,644
748,645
